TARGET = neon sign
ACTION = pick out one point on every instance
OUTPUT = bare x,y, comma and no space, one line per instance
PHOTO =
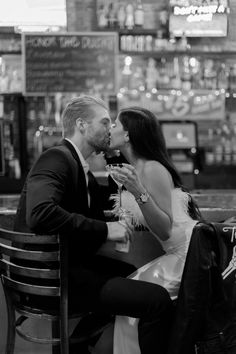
212,13
199,13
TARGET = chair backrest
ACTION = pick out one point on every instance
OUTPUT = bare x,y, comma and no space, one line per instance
205,309
35,265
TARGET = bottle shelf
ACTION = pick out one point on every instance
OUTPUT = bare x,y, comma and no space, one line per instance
171,53
133,32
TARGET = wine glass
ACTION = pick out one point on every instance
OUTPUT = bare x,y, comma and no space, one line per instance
111,169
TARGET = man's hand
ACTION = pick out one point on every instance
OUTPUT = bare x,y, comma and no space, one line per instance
119,231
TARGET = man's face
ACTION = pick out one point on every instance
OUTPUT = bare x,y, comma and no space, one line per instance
98,129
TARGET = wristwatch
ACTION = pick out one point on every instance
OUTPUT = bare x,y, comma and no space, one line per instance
143,198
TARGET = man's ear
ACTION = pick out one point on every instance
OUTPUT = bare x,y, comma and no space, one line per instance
80,124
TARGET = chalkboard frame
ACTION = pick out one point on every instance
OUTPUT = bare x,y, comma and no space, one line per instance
99,34
2,161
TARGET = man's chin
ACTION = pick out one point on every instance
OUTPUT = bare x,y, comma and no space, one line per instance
99,149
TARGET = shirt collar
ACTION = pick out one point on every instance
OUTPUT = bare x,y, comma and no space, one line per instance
84,164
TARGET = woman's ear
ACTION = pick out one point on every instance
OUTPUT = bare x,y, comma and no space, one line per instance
126,137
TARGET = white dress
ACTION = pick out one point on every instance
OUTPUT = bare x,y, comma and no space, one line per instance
165,270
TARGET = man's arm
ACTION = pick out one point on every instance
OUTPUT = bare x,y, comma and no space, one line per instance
50,179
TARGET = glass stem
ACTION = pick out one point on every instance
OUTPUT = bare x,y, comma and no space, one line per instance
119,191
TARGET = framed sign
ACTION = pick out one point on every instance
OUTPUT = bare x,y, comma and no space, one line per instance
70,62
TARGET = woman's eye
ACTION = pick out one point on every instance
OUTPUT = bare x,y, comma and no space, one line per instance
113,125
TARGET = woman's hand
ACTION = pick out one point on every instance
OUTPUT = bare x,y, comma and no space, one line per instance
128,176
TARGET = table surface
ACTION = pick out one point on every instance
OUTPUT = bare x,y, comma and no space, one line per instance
144,248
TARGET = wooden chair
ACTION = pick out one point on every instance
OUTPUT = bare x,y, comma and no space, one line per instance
28,270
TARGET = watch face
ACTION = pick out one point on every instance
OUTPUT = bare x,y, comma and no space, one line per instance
144,197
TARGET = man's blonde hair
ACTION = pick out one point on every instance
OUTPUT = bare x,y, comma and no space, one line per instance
79,107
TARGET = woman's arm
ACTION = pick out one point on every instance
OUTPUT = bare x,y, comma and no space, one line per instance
157,210
156,180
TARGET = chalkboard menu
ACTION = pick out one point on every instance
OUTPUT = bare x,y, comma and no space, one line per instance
71,62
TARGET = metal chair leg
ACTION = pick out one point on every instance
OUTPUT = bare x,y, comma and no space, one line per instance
11,332
56,334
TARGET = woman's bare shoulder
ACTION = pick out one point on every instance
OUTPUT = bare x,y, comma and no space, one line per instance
153,167
155,173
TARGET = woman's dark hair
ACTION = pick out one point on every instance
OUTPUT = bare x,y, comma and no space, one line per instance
147,140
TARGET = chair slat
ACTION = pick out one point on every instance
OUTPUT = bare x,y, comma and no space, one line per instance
29,272
29,254
28,237
29,288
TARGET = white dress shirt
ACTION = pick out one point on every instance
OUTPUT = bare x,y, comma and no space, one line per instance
84,164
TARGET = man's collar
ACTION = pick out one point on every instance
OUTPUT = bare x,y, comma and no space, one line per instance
82,160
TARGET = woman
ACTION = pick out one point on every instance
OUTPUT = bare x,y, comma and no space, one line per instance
158,200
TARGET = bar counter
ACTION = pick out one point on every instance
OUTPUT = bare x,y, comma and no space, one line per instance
214,204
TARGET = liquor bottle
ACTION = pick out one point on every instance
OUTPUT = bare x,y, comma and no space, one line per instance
172,42
232,78
148,43
112,19
186,75
233,142
139,14
137,79
151,74
219,146
210,75
227,132
102,16
159,41
175,79
121,16
183,43
163,80
129,20
209,150
222,77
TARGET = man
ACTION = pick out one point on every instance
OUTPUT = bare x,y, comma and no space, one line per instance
61,196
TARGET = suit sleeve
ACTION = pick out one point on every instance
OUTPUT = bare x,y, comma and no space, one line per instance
47,184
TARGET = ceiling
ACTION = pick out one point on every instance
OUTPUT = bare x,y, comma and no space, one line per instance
32,12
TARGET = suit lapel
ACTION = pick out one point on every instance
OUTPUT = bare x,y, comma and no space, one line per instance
95,197
81,181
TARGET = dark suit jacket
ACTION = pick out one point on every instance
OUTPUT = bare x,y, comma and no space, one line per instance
54,200
206,308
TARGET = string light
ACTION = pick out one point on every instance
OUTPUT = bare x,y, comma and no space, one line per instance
119,95
185,96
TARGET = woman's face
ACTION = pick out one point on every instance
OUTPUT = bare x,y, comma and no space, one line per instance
118,135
